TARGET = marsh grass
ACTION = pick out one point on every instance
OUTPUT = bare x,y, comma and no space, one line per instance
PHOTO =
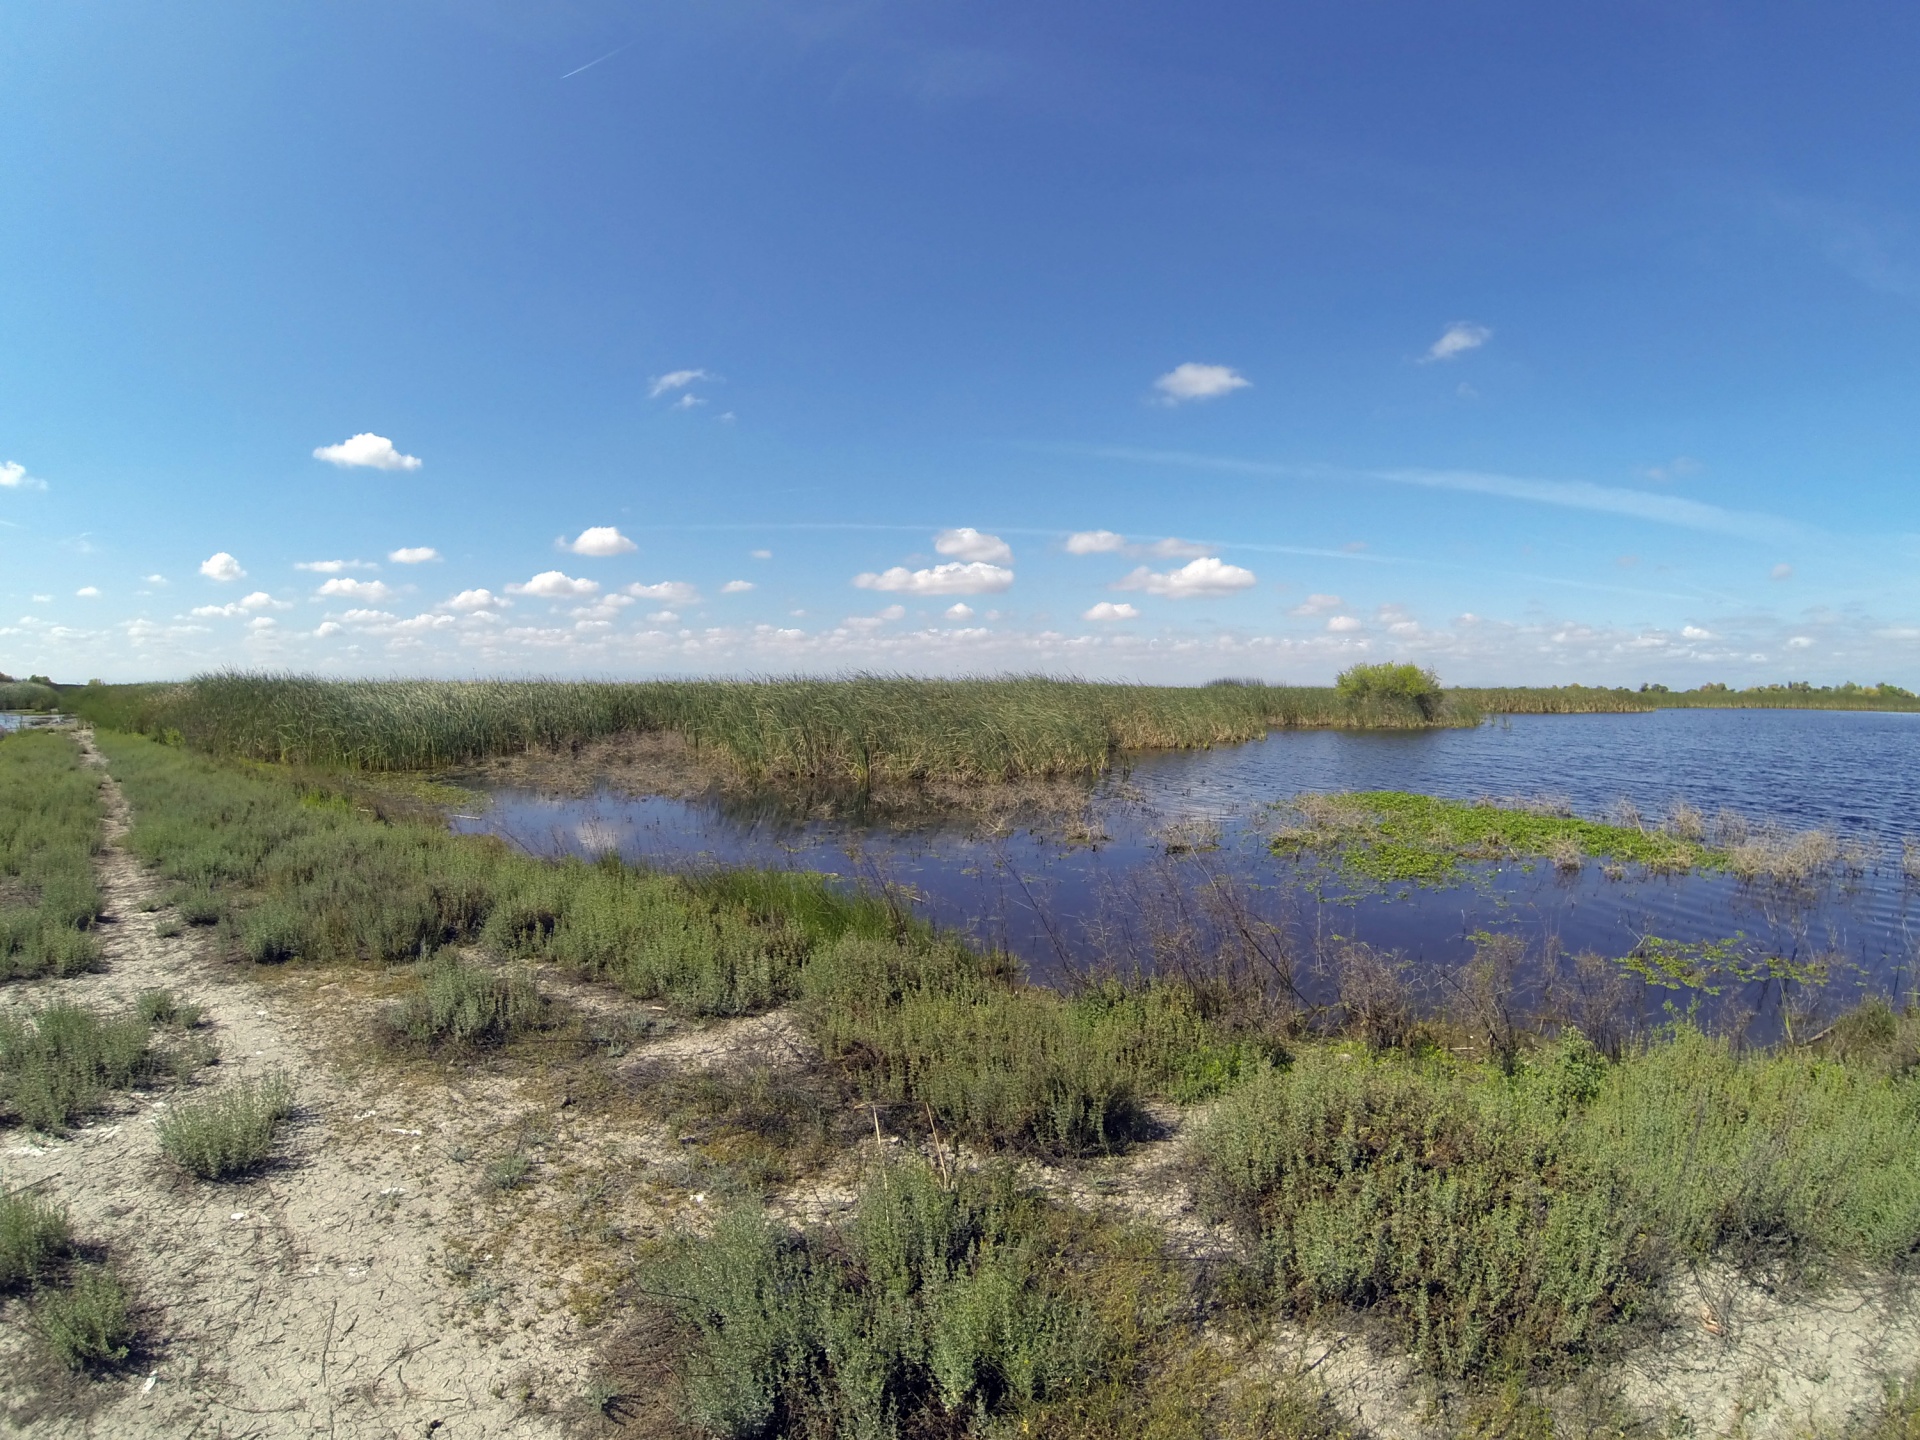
50,829
862,730
230,1135
755,1126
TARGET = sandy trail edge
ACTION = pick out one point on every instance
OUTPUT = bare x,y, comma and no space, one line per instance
309,1301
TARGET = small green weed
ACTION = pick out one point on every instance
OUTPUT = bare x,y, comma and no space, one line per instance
34,1238
62,1062
467,1005
230,1135
89,1322
162,1007
508,1172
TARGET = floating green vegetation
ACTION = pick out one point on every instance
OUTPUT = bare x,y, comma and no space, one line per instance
1392,837
50,821
860,730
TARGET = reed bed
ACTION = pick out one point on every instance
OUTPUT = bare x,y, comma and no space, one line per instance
861,730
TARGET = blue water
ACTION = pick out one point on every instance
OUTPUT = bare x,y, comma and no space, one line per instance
1130,898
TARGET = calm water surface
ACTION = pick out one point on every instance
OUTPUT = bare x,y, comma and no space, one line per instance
1131,897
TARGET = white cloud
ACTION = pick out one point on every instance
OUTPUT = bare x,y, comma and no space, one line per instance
367,451
555,586
1460,337
1107,610
1095,542
736,587
1208,575
481,599
88,592
676,380
663,617
688,402
599,541
333,567
959,610
375,590
1782,571
1173,547
1198,382
1344,625
967,543
1317,605
973,577
761,554
1695,632
14,476
369,617
156,579
894,612
413,555
671,592
1106,542
1800,642
329,627
262,622
222,567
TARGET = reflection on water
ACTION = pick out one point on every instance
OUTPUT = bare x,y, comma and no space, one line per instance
1131,897
26,719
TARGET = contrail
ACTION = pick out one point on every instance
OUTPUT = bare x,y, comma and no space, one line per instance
591,63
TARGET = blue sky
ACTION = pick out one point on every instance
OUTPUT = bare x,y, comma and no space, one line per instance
1534,343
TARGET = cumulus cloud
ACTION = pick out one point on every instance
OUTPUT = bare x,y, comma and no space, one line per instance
1800,642
1107,610
155,579
972,577
1344,625
262,622
599,541
555,586
1198,382
88,592
676,380
413,555
736,587
1460,337
967,543
333,567
1095,542
1208,575
670,592
375,590
14,476
222,567
329,627
1317,605
1106,542
959,610
1695,632
479,599
367,451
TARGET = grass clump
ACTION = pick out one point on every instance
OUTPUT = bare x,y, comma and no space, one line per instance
34,1240
230,1135
1391,836
87,1323
61,1063
467,1005
50,830
977,1308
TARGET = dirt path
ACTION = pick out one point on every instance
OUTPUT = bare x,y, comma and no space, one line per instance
317,1299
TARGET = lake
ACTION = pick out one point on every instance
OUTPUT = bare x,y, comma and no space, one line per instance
1130,896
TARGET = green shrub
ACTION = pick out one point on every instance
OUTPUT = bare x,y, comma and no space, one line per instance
61,1062
230,1135
1463,1211
465,1004
926,1310
163,1007
87,1323
34,1238
1386,688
